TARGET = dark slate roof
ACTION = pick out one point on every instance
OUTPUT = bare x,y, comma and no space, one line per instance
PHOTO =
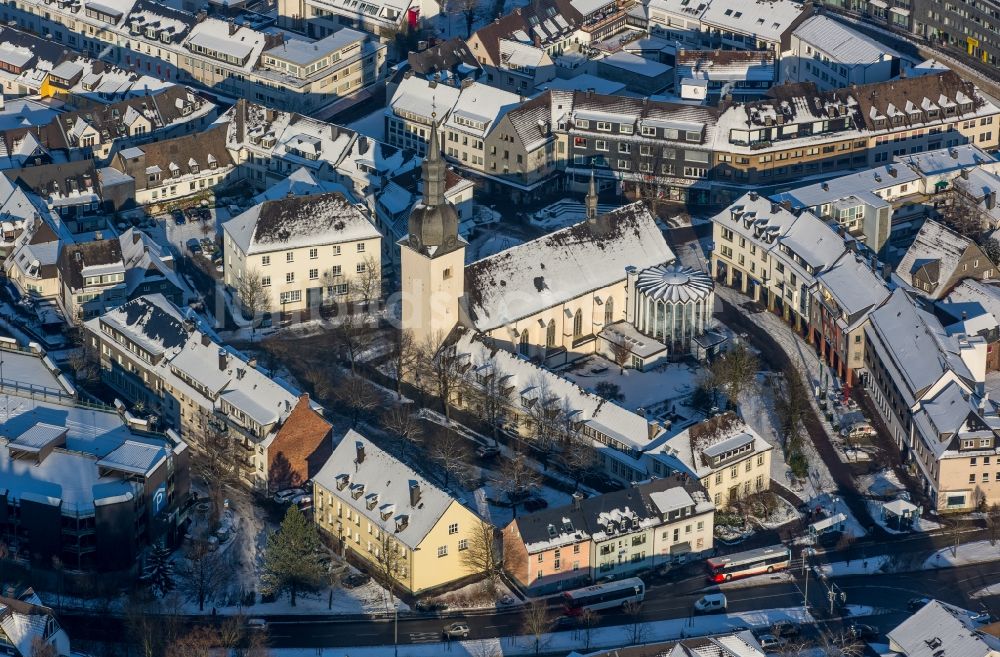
98,252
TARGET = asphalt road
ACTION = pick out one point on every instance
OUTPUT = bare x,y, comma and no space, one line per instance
888,593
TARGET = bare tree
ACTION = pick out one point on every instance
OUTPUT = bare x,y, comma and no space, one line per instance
735,371
515,478
451,453
620,353
589,619
546,419
352,337
485,554
219,461
442,371
389,560
254,297
199,642
537,621
357,394
491,394
402,422
962,211
402,357
468,9
637,630
203,572
580,458
841,644
993,524
42,648
366,284
85,363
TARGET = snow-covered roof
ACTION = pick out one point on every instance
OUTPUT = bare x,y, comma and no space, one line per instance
703,448
943,160
480,104
766,19
939,628
563,265
863,185
374,472
970,299
303,52
212,36
840,43
636,65
932,258
299,221
23,621
674,283
416,96
853,285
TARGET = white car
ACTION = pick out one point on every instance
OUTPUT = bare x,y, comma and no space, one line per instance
713,603
287,495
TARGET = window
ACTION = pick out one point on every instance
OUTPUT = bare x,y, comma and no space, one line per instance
336,249
290,277
578,323
576,548
972,478
609,311
453,528
550,334
463,544
313,254
313,274
289,256
265,281
361,247
265,260
361,267
291,297
443,551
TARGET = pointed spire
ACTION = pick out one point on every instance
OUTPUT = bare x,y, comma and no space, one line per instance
434,169
592,199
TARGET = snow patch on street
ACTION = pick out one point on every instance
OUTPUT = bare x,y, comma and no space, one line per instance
964,554
869,566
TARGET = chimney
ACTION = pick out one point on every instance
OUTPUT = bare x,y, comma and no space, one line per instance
232,27
98,236
414,494
577,499
965,315
754,196
891,170
467,82
222,360
991,199
205,340
360,447
965,174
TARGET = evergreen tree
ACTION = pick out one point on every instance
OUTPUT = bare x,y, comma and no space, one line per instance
291,556
159,573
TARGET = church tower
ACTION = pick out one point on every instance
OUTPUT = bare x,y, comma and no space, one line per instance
432,257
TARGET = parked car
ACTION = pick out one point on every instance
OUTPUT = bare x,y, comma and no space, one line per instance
179,218
354,580
770,642
862,632
430,606
535,504
713,603
566,623
303,501
285,496
488,452
205,214
916,604
456,631
194,246
256,624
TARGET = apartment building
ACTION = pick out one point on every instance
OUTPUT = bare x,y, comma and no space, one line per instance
728,24
616,535
941,627
229,59
306,252
371,503
939,258
711,74
25,622
382,18
172,169
551,25
92,278
150,352
831,55
925,383
83,487
725,455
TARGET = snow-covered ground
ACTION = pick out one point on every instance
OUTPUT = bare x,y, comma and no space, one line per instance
986,591
921,524
476,596
869,566
966,553
564,642
658,390
884,483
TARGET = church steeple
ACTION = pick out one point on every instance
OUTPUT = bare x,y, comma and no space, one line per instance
592,199
434,222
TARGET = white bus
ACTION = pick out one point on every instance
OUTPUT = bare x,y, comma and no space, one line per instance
751,562
604,596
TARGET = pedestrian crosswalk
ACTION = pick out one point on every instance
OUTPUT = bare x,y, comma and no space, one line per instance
424,637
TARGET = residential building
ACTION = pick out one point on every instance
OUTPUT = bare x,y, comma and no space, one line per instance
474,115
831,55
729,459
173,169
711,75
82,486
973,308
149,268
33,262
941,627
91,277
383,18
927,386
616,535
966,30
519,151
551,25
728,24
370,502
28,626
939,258
448,62
640,75
738,644
223,56
151,352
305,252
71,189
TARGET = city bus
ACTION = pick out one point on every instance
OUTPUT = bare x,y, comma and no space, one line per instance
604,596
751,562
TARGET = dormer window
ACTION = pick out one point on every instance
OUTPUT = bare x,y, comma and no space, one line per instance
357,490
342,481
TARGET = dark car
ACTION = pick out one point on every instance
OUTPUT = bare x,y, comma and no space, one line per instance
430,606
194,246
863,632
488,452
916,604
205,214
535,504
354,580
566,623
178,216
786,629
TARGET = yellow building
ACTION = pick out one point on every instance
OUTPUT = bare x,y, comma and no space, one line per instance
372,503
